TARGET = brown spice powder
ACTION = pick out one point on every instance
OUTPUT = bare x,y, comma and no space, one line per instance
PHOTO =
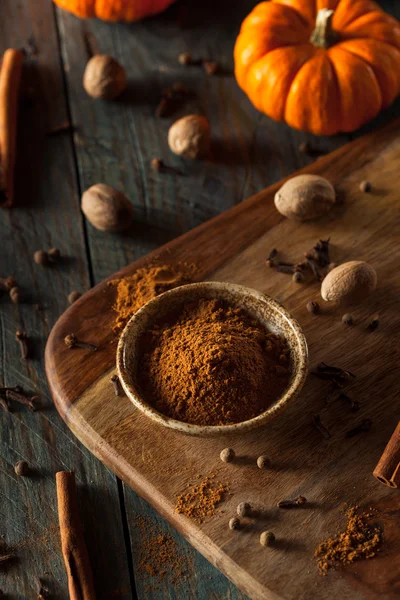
160,556
147,283
201,500
359,540
212,364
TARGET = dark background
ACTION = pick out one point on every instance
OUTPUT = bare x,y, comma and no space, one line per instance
111,143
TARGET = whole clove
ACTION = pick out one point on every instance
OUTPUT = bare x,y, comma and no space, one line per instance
364,425
298,277
4,404
324,431
15,295
292,502
7,283
374,323
353,404
335,374
71,341
116,385
159,165
22,339
22,399
271,256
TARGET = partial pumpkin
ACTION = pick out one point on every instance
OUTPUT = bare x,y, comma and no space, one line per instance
323,66
114,10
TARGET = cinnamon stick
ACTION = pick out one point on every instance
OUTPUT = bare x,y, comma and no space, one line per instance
387,470
80,580
10,77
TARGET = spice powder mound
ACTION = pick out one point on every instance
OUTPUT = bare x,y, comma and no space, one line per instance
201,500
212,364
160,556
359,540
147,283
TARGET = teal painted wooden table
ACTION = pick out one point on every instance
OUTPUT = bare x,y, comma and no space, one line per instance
112,143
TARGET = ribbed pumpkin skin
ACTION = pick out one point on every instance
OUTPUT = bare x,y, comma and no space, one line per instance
114,10
320,90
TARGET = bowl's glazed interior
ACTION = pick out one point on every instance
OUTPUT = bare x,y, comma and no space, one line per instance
267,311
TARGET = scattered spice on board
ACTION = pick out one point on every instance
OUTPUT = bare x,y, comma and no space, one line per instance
359,540
147,283
201,500
209,363
160,556
314,266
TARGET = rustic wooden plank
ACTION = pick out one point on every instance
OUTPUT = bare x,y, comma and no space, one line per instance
249,150
46,214
362,227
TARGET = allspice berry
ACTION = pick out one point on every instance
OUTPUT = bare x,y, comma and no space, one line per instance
106,208
21,468
298,277
74,296
104,77
365,186
347,319
41,257
227,455
313,307
234,523
185,58
244,509
267,538
263,462
190,136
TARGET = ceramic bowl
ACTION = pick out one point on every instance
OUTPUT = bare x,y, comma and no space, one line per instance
266,310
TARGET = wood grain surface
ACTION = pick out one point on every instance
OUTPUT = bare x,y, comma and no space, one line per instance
111,143
159,463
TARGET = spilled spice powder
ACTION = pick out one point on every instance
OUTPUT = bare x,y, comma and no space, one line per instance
201,500
212,364
160,556
359,540
147,283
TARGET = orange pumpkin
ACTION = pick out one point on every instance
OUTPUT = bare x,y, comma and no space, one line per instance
114,10
322,66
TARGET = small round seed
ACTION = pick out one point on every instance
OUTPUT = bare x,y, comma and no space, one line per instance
263,462
234,523
156,164
365,186
74,296
313,307
347,319
244,509
298,277
21,468
227,455
374,323
41,257
267,538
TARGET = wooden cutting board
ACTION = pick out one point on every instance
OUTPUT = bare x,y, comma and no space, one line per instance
159,464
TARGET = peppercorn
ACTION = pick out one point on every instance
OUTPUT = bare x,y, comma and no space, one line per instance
185,58
267,538
74,296
298,277
263,462
234,523
54,254
41,257
313,307
156,164
15,294
365,186
243,509
347,319
21,468
227,455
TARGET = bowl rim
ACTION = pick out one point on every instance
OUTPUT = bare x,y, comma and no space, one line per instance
129,336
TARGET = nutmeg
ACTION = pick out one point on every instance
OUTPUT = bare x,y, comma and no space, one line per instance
305,197
106,208
349,283
104,77
190,136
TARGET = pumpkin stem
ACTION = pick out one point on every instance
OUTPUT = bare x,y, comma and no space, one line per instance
323,35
